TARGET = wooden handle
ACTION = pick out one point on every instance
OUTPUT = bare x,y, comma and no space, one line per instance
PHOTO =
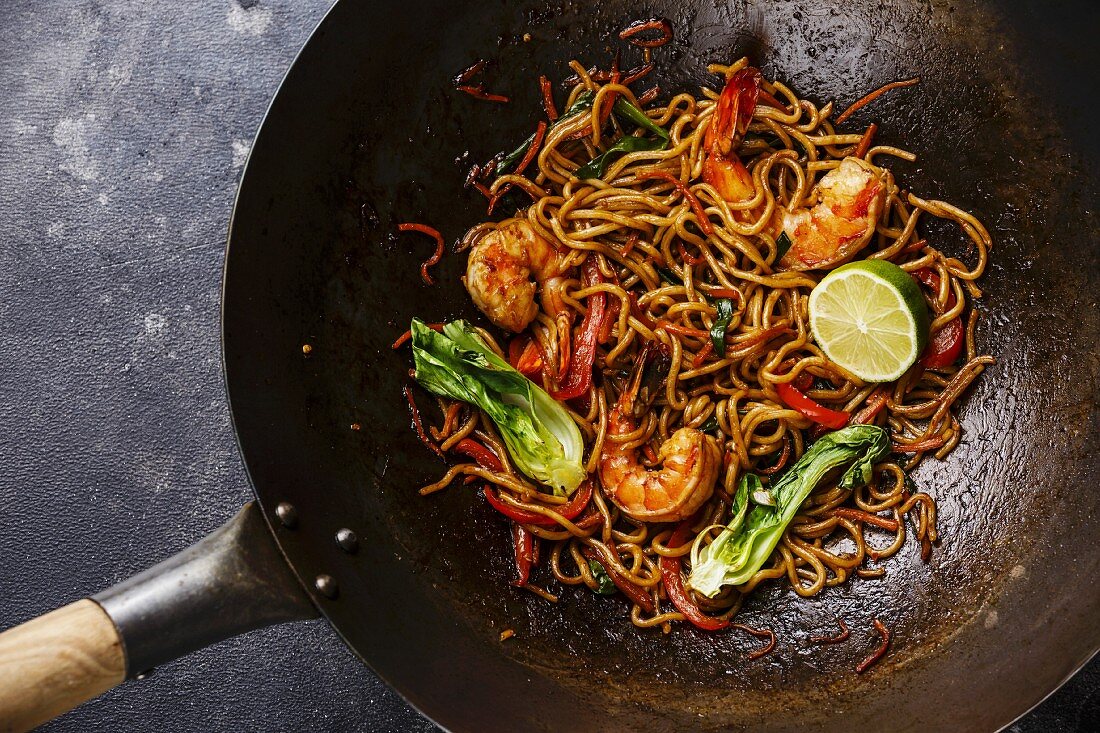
53,663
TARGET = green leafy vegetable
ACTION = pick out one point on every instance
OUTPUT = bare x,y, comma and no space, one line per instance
625,109
606,586
540,436
668,275
721,324
745,544
756,490
710,425
583,103
596,167
782,245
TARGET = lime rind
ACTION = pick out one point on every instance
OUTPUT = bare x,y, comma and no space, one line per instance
869,317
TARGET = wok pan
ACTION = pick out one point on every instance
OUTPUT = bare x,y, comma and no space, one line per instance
365,132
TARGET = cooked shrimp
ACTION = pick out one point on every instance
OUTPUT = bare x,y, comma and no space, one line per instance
500,269
839,218
690,463
733,112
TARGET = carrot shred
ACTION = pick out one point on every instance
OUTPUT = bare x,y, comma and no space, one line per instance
532,151
865,141
640,26
857,515
404,338
419,424
878,653
478,92
548,98
863,102
842,636
704,222
436,256
701,357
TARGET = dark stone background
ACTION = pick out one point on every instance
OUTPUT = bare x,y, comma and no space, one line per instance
123,128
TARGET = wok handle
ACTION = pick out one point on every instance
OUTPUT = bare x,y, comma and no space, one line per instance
233,581
55,662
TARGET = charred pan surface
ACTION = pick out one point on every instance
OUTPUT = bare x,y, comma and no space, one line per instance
365,134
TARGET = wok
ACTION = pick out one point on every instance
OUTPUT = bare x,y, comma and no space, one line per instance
366,131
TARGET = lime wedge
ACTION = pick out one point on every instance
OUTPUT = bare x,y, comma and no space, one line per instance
870,318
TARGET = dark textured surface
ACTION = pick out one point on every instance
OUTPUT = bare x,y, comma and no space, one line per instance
121,133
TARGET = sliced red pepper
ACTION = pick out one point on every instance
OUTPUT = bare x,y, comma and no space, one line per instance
946,344
484,457
570,510
579,378
631,591
523,542
820,414
674,585
524,356
704,223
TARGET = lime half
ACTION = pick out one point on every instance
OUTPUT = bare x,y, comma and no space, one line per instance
870,318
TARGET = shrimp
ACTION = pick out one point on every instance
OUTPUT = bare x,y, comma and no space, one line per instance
733,112
690,463
847,202
500,269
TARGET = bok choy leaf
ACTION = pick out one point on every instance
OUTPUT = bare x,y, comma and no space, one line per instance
541,438
747,541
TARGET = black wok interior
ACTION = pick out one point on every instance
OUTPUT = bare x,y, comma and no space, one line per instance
367,132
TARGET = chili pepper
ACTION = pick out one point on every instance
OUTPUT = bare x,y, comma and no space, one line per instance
484,457
579,378
794,399
570,510
674,585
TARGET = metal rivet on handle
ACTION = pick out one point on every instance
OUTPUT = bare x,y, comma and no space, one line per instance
347,540
287,514
326,586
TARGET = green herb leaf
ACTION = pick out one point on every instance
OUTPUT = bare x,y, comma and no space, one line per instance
583,103
748,541
541,438
782,245
606,586
710,425
668,275
625,109
596,167
724,306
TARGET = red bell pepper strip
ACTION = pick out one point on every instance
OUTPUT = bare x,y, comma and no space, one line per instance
631,591
945,344
795,400
484,457
524,356
570,510
523,542
674,585
579,378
